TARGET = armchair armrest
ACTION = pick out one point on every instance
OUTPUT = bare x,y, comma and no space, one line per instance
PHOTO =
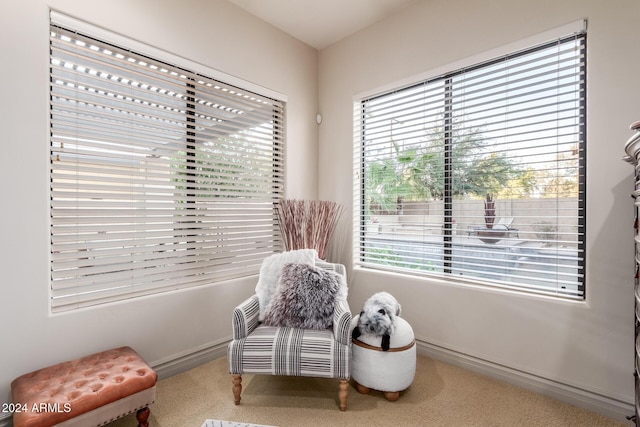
245,317
342,322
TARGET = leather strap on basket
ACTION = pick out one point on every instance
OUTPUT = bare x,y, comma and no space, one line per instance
372,347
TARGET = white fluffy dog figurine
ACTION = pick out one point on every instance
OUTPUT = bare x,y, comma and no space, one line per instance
378,317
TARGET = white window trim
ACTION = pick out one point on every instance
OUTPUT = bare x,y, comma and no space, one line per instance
120,40
86,29
575,27
562,32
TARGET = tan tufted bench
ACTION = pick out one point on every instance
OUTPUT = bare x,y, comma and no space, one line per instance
90,391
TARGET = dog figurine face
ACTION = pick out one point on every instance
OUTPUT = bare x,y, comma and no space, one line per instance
378,317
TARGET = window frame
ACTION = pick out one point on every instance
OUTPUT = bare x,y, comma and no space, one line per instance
269,107
576,30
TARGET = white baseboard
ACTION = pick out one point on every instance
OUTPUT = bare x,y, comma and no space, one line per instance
604,405
585,399
189,359
609,407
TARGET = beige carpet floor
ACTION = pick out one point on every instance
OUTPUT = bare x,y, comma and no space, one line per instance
441,395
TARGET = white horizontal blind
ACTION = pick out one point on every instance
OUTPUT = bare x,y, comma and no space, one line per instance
427,155
161,178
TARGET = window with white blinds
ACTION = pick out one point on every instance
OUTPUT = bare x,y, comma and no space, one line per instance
478,175
161,178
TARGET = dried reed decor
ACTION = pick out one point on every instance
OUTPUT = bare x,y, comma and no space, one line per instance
308,224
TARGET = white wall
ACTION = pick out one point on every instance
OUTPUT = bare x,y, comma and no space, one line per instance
585,345
588,345
212,32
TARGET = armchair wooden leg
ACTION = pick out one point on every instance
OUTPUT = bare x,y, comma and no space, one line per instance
237,388
343,393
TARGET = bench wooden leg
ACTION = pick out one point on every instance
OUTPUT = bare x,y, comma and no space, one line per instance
143,417
343,393
237,387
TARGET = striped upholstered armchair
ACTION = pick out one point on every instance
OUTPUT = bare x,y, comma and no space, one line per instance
290,351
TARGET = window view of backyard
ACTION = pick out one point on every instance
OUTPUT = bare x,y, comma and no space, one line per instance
479,174
161,178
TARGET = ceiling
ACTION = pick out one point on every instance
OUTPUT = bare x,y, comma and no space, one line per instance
320,23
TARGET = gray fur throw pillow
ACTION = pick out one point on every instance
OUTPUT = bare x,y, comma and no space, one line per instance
305,297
